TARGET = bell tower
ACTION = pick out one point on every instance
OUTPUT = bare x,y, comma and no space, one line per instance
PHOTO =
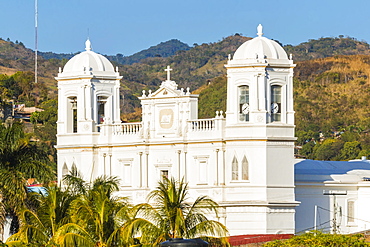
88,93
260,84
259,129
88,97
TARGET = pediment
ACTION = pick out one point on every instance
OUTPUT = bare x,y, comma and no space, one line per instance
164,91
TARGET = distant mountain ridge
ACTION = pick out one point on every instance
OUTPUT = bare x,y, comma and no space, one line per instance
163,49
52,55
327,47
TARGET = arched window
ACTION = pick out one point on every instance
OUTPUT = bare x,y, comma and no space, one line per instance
244,103
234,169
245,169
72,115
101,108
239,170
275,103
64,169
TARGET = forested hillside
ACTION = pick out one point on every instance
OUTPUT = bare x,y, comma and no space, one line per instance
192,68
330,86
327,47
331,103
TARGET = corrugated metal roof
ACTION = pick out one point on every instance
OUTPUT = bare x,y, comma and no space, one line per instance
319,167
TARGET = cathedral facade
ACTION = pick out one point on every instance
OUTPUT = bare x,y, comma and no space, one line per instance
242,158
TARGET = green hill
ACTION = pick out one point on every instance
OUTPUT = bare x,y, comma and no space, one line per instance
330,86
331,97
51,55
164,49
192,68
330,94
198,66
327,47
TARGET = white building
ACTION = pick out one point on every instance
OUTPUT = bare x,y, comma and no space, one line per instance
334,195
243,158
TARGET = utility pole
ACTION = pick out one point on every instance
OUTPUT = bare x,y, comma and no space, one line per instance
315,220
335,225
335,193
36,38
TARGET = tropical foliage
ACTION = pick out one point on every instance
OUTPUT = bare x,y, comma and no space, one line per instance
38,226
170,215
84,214
45,125
20,87
20,159
78,215
321,239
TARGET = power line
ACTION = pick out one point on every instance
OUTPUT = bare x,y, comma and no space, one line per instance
341,214
311,228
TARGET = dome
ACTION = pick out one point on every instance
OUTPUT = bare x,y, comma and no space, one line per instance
260,48
88,62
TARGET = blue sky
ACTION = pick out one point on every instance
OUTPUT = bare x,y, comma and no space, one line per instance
126,27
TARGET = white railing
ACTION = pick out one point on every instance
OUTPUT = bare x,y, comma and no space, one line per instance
128,128
202,125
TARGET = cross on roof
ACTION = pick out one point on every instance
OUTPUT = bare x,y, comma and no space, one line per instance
259,30
168,70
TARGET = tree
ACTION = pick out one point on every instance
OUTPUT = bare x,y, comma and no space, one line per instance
171,216
304,137
328,150
350,150
74,216
39,226
25,81
307,149
46,133
20,159
95,215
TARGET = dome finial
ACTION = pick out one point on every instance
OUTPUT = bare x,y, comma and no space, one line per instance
88,45
259,30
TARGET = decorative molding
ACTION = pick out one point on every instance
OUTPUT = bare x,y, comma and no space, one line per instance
201,157
279,70
280,210
277,143
163,163
125,160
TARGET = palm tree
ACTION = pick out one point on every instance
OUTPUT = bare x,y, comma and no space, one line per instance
38,226
20,159
67,218
95,216
171,216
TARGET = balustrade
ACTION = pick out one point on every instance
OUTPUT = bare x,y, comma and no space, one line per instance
202,125
127,128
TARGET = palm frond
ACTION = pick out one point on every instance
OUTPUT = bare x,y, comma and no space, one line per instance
174,217
71,234
75,182
207,228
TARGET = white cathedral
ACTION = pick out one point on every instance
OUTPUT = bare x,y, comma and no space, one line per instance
243,158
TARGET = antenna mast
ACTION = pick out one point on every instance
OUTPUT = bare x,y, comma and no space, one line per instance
36,41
